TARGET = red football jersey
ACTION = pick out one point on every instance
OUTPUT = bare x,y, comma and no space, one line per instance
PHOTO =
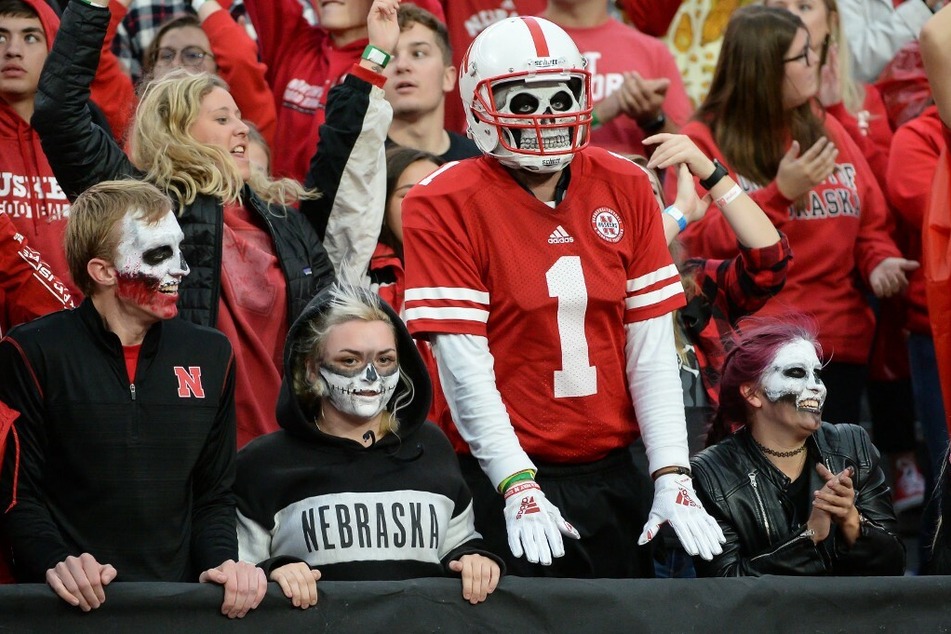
550,288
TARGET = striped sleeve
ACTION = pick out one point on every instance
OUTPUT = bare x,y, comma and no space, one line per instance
653,294
447,310
445,291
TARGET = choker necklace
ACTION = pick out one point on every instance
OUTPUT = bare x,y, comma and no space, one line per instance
779,454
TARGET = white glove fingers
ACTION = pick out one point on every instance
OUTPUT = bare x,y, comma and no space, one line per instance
515,544
651,528
553,537
535,552
686,537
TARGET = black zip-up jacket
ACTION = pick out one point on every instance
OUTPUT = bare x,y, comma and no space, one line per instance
747,495
139,475
82,154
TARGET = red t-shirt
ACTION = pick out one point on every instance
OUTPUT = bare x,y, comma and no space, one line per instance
131,354
614,48
253,314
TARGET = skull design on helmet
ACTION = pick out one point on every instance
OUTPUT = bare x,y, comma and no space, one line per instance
525,93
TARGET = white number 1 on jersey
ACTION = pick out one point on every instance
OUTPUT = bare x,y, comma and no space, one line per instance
566,283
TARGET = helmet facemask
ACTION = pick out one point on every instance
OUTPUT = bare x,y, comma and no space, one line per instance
525,114
529,121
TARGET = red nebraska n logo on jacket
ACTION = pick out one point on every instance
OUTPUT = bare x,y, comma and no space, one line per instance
189,382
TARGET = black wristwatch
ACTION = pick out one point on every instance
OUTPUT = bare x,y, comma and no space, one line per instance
718,173
655,126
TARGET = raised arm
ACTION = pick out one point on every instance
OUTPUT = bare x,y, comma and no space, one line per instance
237,58
875,35
349,168
80,153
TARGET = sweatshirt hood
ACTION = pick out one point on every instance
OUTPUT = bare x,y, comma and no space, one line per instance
298,419
48,19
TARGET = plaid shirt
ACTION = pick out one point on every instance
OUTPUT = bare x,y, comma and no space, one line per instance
728,290
145,17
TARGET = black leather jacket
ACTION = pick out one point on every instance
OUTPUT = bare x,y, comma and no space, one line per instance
747,495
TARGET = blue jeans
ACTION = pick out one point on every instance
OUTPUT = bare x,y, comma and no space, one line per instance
928,404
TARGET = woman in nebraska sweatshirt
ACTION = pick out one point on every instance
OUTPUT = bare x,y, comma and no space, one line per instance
357,485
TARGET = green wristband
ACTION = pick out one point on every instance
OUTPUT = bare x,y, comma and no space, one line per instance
521,476
376,55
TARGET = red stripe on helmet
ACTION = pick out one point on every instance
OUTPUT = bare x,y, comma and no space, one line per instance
538,36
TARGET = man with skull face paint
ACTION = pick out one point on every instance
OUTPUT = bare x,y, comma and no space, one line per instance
546,290
126,432
793,495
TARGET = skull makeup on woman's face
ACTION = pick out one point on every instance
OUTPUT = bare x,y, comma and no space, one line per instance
794,376
533,106
150,264
364,392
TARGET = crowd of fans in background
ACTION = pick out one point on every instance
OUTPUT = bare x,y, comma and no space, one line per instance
748,188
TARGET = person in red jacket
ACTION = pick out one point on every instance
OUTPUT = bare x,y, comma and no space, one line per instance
28,287
304,62
29,193
811,180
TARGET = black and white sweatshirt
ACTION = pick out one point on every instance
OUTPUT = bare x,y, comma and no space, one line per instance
398,509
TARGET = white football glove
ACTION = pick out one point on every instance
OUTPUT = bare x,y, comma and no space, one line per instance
534,524
676,502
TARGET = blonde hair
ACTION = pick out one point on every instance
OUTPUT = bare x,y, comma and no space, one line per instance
91,229
347,303
853,92
164,148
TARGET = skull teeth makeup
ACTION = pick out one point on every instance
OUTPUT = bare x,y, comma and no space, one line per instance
363,394
794,375
149,263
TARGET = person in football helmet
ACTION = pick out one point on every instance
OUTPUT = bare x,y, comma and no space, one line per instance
527,104
540,274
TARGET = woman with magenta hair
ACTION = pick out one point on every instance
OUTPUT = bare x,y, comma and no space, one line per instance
792,494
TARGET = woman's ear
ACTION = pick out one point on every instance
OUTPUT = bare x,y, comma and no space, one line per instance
752,395
310,368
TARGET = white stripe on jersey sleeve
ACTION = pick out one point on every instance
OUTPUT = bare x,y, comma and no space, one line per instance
654,297
446,293
648,279
448,313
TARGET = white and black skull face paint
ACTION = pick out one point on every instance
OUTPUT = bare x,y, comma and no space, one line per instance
539,100
150,263
363,393
794,375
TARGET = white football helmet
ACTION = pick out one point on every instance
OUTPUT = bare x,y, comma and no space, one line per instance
525,92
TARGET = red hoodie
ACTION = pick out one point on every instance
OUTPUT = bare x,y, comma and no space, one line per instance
303,65
911,170
29,193
836,242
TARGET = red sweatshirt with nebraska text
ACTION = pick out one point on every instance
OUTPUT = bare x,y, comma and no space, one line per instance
837,239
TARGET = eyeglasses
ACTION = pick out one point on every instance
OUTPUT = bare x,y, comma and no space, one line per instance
191,56
804,56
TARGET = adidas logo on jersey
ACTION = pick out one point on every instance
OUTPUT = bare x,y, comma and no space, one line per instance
559,236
